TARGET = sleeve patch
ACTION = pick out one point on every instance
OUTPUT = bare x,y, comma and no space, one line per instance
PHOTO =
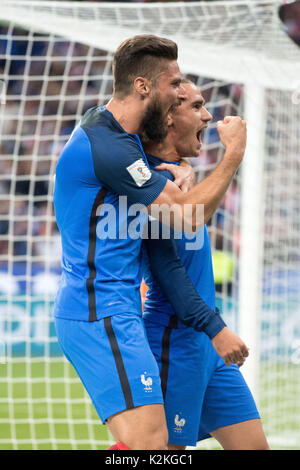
139,172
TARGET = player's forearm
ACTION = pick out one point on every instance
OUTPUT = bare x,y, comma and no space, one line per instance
211,190
189,211
206,195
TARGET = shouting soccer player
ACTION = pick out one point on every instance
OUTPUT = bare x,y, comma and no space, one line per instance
98,314
203,396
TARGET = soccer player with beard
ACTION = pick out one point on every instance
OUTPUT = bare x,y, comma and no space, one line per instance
204,395
98,314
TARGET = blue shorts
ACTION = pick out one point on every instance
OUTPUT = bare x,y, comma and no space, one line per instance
201,393
113,359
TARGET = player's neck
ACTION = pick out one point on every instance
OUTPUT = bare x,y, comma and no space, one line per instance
165,151
128,112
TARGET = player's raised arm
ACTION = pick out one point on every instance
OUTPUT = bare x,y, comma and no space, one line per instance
208,193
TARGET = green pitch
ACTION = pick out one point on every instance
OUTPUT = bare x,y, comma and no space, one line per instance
44,406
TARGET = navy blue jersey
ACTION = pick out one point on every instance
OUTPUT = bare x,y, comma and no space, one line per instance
185,287
101,273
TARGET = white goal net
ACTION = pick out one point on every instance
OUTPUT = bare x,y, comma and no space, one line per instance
55,62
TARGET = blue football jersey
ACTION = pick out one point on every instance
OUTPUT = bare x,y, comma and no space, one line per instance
101,273
195,255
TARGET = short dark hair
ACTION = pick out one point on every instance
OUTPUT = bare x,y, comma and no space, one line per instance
140,55
187,81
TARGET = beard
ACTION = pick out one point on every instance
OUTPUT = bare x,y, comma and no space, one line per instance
154,124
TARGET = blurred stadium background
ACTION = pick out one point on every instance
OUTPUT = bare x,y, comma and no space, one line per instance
55,62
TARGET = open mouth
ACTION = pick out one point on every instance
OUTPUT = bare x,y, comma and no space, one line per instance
198,134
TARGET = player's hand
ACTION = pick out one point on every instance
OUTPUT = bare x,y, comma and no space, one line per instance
230,347
233,135
184,176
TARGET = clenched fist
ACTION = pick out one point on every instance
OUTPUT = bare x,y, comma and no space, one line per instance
230,347
233,135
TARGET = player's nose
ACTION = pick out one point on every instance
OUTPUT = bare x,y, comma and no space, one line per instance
205,115
181,92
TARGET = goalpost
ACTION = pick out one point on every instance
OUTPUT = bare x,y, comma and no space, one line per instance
55,62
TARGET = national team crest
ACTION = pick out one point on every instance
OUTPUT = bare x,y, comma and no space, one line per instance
147,382
179,423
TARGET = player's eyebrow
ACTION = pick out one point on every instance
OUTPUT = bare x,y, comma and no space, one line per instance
200,102
176,81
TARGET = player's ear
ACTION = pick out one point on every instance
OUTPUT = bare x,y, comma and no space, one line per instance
170,120
142,86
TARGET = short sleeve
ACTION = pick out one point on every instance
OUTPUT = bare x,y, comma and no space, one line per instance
121,165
